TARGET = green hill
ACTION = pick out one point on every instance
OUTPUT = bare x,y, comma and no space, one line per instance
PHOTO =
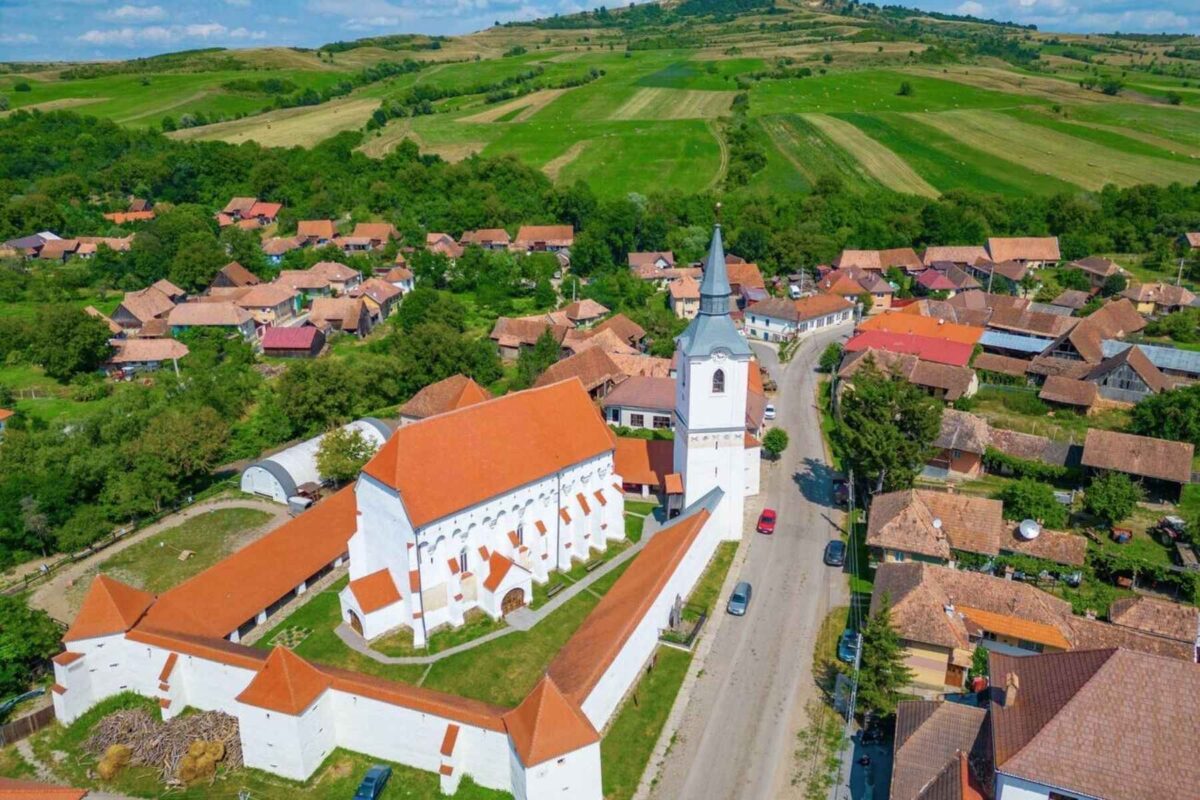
745,95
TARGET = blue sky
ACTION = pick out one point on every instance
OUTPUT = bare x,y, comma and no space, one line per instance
100,29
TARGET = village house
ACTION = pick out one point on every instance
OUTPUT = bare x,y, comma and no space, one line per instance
139,308
1190,240
941,751
276,247
186,316
1003,277
1163,466
959,255
5,415
443,244
513,334
1084,341
131,356
487,238
777,319
1153,299
592,367
401,278
624,328
304,341
1175,621
270,303
234,276
457,391
1033,252
583,313
942,614
1073,299
903,258
1041,704
544,238
316,232
341,278
647,467
377,234
650,265
685,297
345,314
641,402
943,381
1097,269
381,297
930,526
308,283
248,212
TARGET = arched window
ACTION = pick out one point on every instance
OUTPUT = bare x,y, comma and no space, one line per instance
719,382
462,560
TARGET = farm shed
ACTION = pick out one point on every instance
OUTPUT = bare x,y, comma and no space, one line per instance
278,477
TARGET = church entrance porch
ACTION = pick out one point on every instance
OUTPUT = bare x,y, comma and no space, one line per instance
355,622
512,601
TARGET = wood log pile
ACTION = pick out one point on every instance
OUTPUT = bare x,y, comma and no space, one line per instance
184,750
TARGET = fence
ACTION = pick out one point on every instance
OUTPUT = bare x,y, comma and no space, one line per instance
26,726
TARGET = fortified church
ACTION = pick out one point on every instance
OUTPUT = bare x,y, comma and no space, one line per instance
465,510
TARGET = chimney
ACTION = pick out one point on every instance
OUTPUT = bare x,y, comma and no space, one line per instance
1008,572
949,609
1090,613
1011,685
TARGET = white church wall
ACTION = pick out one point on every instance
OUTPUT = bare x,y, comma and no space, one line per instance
287,745
208,685
753,459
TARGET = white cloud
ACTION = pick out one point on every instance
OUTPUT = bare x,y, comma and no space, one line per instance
17,38
168,34
130,13
970,8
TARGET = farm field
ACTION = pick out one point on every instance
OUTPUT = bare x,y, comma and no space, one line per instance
822,95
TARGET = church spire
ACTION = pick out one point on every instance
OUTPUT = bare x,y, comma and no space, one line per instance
714,288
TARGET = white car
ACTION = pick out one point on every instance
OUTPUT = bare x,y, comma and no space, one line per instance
769,412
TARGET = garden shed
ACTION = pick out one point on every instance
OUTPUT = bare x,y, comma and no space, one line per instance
279,476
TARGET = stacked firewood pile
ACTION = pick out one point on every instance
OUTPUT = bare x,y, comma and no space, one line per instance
183,750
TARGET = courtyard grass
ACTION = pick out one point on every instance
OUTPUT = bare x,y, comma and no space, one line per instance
706,594
826,665
1019,409
475,624
629,743
153,564
13,765
640,507
335,779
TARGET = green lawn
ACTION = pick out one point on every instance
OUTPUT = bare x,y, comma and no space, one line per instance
706,594
862,577
629,743
335,779
825,661
640,507
633,527
475,625
153,564
12,765
1019,409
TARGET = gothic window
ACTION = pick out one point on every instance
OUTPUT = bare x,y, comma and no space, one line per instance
719,382
462,560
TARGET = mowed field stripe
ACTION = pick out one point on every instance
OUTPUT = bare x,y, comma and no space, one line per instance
290,127
1043,150
530,105
660,103
879,162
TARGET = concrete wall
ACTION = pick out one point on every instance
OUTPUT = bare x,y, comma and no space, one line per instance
575,775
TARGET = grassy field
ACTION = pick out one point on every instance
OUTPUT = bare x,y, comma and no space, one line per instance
823,98
153,564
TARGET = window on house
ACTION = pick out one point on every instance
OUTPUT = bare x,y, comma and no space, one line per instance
1027,645
1060,796
719,382
521,534
637,420
662,422
614,414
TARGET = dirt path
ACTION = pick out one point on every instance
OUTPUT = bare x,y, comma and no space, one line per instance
191,98
723,167
53,597
54,105
556,165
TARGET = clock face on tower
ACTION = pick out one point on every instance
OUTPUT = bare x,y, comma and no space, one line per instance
720,355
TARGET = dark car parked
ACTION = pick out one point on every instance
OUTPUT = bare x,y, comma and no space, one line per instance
835,553
739,601
373,783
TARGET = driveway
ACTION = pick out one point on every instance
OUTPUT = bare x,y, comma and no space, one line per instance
737,735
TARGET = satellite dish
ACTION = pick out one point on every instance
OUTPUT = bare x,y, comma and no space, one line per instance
1029,529
937,523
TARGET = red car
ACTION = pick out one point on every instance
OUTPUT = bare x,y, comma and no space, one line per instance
766,521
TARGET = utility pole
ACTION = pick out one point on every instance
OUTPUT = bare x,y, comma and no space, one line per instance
1179,275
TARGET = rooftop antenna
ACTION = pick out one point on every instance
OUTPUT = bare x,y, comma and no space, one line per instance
718,210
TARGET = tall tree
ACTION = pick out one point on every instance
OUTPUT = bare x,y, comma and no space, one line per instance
885,429
882,672
342,454
68,342
27,638
533,361
775,442
1112,496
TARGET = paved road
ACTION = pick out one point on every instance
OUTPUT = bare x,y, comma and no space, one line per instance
738,733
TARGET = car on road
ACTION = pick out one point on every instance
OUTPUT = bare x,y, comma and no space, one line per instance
847,646
769,412
841,492
766,521
373,782
739,601
835,553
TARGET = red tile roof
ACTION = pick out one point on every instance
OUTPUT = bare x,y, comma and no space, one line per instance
286,683
12,789
924,347
644,461
457,391
923,326
547,725
301,338
498,567
375,591
109,607
511,441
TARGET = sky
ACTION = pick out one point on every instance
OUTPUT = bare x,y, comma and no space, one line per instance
116,29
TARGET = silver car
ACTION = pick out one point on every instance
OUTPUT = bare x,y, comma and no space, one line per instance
739,601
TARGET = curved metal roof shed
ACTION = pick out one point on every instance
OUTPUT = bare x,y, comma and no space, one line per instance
280,476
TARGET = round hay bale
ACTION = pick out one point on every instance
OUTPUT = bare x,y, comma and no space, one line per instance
119,754
197,748
216,750
108,769
187,769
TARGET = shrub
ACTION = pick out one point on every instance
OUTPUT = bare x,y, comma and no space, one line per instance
22,87
1031,499
1112,497
906,89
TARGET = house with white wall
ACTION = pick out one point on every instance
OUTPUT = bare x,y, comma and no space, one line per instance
777,319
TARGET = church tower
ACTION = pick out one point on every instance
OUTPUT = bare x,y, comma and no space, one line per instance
713,364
